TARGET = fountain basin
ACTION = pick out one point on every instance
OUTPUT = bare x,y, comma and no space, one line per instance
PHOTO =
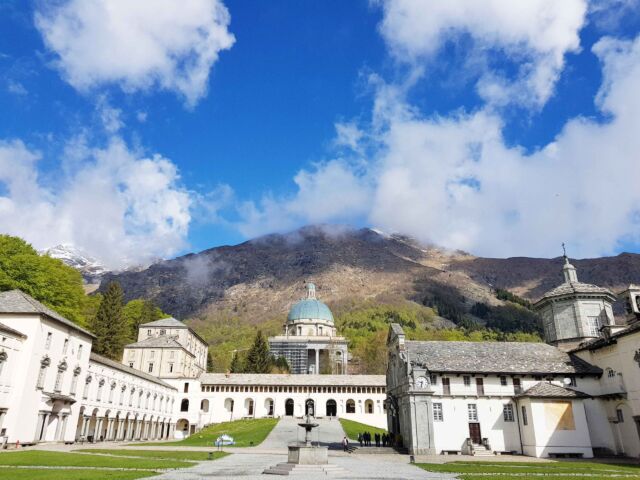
304,454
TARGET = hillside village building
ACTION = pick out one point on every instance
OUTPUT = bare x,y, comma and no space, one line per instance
578,394
309,342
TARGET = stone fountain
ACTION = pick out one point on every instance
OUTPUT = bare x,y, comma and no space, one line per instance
305,456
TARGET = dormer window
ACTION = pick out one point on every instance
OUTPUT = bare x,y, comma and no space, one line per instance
163,332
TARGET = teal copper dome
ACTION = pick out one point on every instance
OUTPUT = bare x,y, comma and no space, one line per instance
310,308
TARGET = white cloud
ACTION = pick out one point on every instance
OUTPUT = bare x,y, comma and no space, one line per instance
119,205
332,191
16,88
453,180
110,117
535,35
137,44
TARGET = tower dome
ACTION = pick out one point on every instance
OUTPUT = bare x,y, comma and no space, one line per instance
310,308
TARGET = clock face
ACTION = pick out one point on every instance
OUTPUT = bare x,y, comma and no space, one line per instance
422,382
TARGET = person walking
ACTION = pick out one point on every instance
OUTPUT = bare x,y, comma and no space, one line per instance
345,444
377,437
360,439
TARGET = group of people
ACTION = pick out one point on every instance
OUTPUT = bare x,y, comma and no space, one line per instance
380,439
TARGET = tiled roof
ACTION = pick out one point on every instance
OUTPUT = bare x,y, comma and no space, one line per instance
570,288
497,357
16,301
549,390
4,328
286,379
161,341
166,322
94,357
597,343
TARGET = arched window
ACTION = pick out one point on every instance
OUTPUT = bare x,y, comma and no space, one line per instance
184,405
368,406
204,405
351,406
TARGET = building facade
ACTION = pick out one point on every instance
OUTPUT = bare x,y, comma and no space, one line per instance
310,342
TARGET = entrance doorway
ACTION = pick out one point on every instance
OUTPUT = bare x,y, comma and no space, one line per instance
310,408
288,408
332,408
474,433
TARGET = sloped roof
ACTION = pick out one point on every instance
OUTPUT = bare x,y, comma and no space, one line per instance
569,288
287,379
596,343
497,357
94,357
161,341
4,328
16,301
166,322
549,390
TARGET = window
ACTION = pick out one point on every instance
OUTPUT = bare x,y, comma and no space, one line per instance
171,353
434,379
525,421
65,346
593,326
59,377
3,360
351,406
507,412
111,390
480,386
472,410
79,352
437,412
47,343
467,380
44,364
153,353
130,364
74,380
186,387
573,382
446,387
85,392
517,388
148,333
99,392
150,367
619,415
611,373
184,405
170,367
163,331
503,381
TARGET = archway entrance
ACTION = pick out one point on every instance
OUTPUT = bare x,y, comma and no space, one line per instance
288,407
332,408
310,408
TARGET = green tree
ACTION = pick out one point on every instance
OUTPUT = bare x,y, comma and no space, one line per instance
139,311
46,279
109,325
258,357
236,364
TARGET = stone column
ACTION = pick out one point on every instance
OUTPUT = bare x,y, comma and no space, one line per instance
98,430
65,419
58,426
317,361
43,432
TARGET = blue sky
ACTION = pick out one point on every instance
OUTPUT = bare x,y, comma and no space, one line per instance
148,132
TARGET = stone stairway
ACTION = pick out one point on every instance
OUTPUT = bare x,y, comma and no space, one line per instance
304,470
481,451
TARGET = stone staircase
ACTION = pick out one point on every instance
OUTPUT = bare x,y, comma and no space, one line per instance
304,470
481,451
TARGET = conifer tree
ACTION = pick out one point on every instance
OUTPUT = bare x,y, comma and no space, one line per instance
109,325
258,358
236,364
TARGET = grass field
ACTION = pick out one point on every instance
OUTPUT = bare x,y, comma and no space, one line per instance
164,454
519,470
42,458
245,433
42,474
352,429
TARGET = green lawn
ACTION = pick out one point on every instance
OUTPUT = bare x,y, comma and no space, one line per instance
42,458
40,474
352,429
171,454
556,470
244,432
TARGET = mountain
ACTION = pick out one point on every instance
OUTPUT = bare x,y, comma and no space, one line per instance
259,279
90,268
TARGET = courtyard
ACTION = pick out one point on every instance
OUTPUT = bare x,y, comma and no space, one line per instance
198,460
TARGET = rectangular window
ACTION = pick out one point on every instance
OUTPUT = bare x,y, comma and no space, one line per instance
503,381
594,326
130,364
150,367
162,332
74,384
186,388
437,412
58,385
573,382
170,367
47,343
41,375
480,386
148,333
446,387
472,411
507,412
434,380
153,353
65,346
171,354
517,388
467,380
619,415
525,421
85,392
79,352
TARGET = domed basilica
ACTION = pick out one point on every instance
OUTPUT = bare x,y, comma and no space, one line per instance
309,342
